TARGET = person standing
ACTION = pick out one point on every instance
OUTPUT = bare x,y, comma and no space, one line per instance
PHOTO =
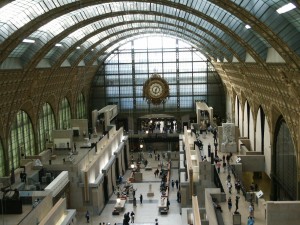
229,187
228,178
178,196
87,216
238,186
224,165
134,202
172,183
132,216
133,192
250,220
251,210
218,166
141,198
177,184
237,203
229,202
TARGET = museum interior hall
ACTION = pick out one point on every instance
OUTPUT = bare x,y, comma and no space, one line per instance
150,112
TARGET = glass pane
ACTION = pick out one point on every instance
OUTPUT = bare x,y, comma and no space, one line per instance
185,67
126,103
169,56
186,102
185,56
112,91
141,68
126,91
155,57
169,67
186,78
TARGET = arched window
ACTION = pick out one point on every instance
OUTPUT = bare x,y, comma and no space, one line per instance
285,163
46,125
21,141
2,165
80,107
64,114
189,74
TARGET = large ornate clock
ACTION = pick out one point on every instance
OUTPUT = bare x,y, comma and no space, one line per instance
156,89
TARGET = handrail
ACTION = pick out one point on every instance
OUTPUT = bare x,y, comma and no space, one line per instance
196,212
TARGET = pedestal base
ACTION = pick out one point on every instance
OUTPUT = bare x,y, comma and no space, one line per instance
236,218
150,194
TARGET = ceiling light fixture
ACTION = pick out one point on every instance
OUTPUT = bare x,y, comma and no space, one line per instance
77,47
286,8
58,45
28,41
248,26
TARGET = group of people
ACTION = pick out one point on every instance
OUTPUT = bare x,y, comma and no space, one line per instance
128,217
173,184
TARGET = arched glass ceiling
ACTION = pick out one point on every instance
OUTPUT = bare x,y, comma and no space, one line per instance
81,34
71,19
114,40
222,18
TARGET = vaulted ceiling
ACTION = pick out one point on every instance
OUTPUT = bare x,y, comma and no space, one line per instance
85,32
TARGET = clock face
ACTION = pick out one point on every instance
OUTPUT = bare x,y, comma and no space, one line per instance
156,89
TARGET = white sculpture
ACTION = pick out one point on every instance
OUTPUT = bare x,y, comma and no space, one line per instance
38,162
228,138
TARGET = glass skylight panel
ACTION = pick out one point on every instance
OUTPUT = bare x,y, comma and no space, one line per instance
145,6
105,7
116,7
86,44
49,54
78,34
100,10
68,41
106,42
159,8
95,38
50,4
130,5
19,50
33,12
